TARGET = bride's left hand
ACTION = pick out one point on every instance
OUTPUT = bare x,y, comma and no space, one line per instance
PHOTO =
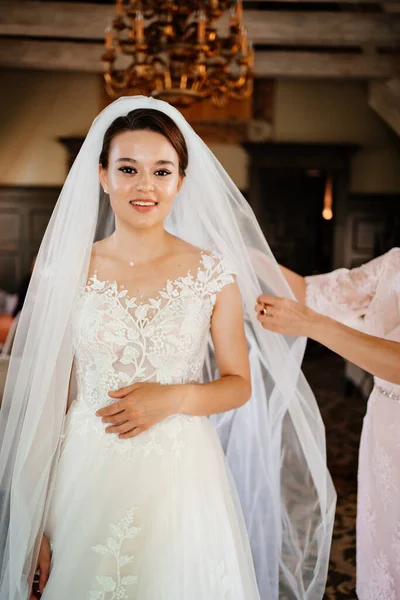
286,316
139,407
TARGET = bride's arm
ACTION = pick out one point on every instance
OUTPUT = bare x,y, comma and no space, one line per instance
233,388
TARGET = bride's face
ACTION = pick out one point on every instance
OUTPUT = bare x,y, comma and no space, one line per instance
142,178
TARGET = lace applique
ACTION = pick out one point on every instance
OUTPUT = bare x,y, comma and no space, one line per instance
346,294
381,584
383,471
396,545
120,341
340,291
368,515
212,275
114,586
164,437
395,430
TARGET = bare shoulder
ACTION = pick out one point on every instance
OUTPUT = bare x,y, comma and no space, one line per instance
99,255
182,247
187,253
218,266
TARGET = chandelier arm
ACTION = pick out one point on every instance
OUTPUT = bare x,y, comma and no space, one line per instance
175,51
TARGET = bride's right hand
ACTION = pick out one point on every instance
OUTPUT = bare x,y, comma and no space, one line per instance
43,565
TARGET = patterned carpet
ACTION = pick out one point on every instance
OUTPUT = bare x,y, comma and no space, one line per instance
343,420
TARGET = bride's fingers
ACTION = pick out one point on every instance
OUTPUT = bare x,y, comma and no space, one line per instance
111,410
120,427
115,419
130,434
122,392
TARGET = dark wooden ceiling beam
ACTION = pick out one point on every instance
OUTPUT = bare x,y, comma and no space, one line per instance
54,19
322,2
392,7
86,57
323,65
88,21
322,29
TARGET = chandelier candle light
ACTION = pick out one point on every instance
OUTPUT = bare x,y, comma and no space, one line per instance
172,51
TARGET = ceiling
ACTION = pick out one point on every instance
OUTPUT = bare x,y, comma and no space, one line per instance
290,5
351,39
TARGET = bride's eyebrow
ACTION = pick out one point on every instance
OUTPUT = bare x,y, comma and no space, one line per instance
133,161
165,162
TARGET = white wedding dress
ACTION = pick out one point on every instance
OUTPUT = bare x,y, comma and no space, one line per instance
155,517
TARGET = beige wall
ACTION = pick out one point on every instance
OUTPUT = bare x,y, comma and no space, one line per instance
35,109
38,107
312,111
376,169
235,160
326,112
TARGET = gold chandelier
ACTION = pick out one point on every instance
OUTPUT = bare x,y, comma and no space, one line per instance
171,50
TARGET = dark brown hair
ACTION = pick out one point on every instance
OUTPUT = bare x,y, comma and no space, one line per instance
146,119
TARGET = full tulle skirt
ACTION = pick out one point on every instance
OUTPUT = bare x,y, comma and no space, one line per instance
155,517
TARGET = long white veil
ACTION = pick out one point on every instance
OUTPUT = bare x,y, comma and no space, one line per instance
275,444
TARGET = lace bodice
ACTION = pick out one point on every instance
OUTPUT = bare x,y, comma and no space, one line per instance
367,297
120,340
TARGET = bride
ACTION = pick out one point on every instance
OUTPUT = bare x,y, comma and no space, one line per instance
121,490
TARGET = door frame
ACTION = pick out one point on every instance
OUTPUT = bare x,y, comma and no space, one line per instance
333,158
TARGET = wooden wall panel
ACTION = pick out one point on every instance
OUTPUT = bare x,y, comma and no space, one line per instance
24,214
372,226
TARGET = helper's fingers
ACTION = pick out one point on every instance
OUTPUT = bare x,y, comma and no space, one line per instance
266,299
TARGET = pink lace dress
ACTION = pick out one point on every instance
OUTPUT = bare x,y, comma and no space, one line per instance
372,292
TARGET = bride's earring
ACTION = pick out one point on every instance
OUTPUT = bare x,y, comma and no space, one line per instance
105,191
